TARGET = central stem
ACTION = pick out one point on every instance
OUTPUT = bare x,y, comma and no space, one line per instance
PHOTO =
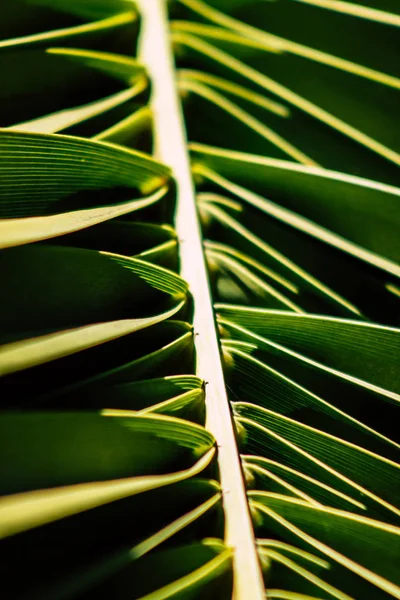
171,148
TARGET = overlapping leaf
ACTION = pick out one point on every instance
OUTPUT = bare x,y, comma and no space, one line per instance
314,396
334,129
108,475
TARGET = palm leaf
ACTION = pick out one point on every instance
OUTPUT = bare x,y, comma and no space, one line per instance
272,261
88,24
277,343
65,354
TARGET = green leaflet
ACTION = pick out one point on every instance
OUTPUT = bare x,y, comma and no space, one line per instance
51,505
88,24
329,341
318,196
350,149
372,477
15,232
121,570
63,80
188,406
244,132
268,40
277,64
87,9
288,573
303,238
342,538
129,238
32,352
233,280
96,114
211,578
292,285
254,380
191,508
111,287
245,97
133,131
281,17
122,566
354,397
268,475
176,395
359,398
64,166
111,445
168,350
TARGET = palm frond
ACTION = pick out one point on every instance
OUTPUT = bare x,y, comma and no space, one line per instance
102,421
194,412
305,284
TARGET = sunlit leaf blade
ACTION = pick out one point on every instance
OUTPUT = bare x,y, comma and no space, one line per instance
120,444
320,134
15,232
50,505
65,511
282,17
64,166
318,196
368,478
80,116
132,131
61,82
85,24
287,573
268,475
252,379
32,352
166,349
176,395
243,228
331,342
244,132
338,536
112,287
